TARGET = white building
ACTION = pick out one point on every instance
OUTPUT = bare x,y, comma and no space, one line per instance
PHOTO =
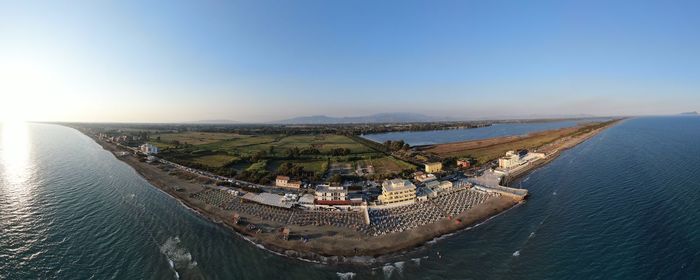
331,193
509,161
397,190
513,159
149,149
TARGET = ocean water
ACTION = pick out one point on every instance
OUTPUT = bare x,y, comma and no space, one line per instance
416,138
623,205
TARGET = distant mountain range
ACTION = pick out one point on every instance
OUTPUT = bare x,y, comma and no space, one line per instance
397,117
412,118
694,113
376,118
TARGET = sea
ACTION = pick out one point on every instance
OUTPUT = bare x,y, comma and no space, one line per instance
431,137
623,205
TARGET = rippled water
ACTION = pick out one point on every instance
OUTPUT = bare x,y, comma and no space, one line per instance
623,205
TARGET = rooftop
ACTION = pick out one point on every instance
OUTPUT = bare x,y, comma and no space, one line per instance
327,188
397,185
268,199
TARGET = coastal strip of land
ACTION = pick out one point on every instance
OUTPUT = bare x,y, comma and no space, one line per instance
364,235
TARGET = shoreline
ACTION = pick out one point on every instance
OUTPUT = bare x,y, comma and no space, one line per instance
332,249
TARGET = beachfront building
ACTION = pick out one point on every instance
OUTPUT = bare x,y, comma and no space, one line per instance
294,184
432,167
445,186
326,194
433,185
397,190
513,159
423,177
509,161
149,149
281,181
306,200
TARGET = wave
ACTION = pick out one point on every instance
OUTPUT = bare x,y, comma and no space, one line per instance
345,275
178,256
388,271
399,266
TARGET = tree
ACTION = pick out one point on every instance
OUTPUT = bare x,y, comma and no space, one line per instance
336,178
258,155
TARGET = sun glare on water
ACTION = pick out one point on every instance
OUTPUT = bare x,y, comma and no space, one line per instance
14,159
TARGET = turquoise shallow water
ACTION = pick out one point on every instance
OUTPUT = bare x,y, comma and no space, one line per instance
623,205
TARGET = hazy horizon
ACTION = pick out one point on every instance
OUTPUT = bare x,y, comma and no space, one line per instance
266,61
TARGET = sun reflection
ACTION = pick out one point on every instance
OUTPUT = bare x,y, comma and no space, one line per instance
14,151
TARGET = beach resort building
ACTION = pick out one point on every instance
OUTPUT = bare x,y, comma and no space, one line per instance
445,186
149,149
432,167
509,161
281,181
513,159
397,190
326,194
423,177
307,200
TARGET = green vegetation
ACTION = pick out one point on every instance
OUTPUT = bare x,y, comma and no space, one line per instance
487,150
259,158
217,160
169,140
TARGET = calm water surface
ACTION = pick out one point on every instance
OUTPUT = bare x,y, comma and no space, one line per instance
430,137
623,205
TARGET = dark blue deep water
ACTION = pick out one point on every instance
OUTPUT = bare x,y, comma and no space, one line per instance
623,205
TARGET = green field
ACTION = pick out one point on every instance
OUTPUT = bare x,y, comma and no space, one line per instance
217,160
263,154
386,165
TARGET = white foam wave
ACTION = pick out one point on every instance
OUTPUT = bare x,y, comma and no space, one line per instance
416,261
345,275
516,253
399,267
177,255
388,270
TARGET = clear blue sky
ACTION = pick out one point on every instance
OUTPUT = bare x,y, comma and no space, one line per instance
267,60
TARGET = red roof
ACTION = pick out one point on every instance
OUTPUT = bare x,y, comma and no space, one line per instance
333,202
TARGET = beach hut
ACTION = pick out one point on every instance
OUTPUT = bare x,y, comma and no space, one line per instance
236,218
285,233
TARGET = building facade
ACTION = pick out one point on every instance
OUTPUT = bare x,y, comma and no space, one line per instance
432,167
149,149
281,181
509,161
397,190
331,193
294,184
